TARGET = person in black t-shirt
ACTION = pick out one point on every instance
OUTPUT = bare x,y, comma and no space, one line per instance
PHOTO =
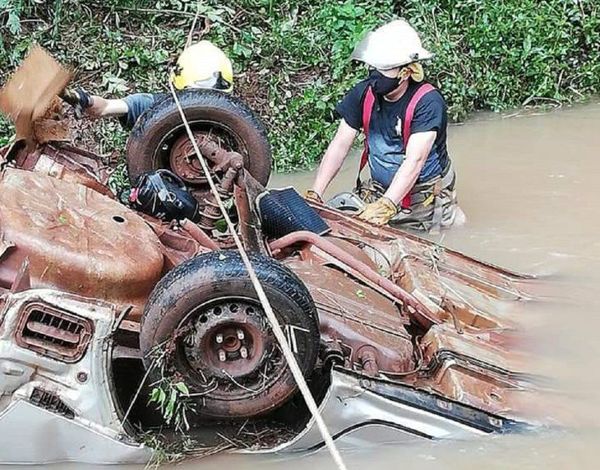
412,178
201,65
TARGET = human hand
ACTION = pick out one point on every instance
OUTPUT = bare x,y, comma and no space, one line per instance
379,212
78,98
313,196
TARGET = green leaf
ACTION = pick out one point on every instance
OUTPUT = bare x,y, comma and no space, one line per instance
162,396
527,45
170,408
182,388
154,395
13,22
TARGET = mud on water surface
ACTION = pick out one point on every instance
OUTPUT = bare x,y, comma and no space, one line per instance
529,187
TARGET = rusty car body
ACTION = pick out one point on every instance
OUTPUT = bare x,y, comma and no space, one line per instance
102,305
414,338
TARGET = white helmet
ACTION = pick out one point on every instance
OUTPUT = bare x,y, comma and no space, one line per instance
392,45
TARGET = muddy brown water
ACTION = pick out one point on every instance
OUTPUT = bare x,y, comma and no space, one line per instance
530,187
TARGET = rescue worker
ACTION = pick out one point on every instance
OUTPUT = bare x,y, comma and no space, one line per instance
404,121
201,65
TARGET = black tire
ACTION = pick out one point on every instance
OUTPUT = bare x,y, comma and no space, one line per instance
161,125
182,309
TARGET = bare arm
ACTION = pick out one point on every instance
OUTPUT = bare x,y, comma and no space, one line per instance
417,150
334,156
102,107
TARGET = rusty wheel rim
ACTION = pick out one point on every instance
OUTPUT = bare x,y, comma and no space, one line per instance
228,351
184,163
175,149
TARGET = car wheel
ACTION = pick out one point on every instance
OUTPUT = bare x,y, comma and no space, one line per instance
155,140
205,325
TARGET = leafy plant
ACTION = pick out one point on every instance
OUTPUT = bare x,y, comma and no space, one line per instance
12,9
171,399
170,394
114,84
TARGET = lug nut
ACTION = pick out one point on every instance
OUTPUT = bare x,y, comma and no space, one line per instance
243,352
240,334
222,355
219,338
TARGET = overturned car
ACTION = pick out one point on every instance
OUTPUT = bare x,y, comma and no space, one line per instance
108,312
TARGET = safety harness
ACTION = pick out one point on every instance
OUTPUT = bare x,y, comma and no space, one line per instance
367,112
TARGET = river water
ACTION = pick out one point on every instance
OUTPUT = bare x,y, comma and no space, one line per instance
529,187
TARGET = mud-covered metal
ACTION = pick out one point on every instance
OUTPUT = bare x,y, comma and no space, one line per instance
76,239
230,341
184,162
63,161
461,312
357,320
30,92
54,411
224,163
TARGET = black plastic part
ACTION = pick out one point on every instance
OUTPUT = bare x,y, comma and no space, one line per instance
163,194
51,402
284,211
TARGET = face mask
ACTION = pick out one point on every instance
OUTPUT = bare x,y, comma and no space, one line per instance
381,84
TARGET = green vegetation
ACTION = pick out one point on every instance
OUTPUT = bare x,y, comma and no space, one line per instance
291,57
170,399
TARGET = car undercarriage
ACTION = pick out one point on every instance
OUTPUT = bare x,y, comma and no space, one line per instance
411,336
108,312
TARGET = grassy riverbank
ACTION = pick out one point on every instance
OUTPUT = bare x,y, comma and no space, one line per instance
291,58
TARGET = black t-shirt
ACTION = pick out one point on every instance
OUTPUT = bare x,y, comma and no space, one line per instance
386,147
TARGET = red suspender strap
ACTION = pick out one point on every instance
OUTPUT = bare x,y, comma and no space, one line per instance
367,110
410,110
408,117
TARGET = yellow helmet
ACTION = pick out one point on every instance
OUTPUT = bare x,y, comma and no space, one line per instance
203,65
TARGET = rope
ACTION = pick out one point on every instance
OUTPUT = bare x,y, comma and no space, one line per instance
277,330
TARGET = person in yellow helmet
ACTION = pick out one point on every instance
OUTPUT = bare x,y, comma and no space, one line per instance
201,65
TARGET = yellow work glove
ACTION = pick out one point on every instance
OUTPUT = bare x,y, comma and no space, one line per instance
414,70
379,212
313,196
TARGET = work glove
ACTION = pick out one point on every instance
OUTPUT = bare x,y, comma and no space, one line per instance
313,196
78,98
379,212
